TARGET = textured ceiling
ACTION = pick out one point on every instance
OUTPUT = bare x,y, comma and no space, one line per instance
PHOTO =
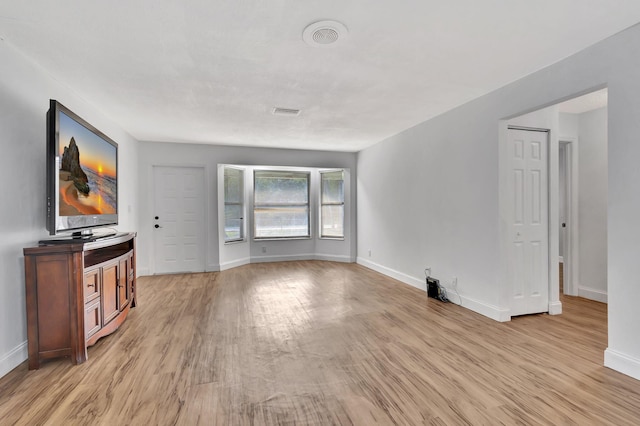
208,71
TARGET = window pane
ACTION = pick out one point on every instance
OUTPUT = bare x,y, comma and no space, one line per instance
332,187
332,204
281,204
233,204
232,222
273,188
276,222
333,221
232,185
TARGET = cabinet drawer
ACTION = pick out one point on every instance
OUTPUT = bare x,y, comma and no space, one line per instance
92,318
91,285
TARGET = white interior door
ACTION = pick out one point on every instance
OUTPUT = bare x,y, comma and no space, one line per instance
178,222
529,221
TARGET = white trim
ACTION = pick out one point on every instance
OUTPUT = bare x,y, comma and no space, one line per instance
211,267
490,311
570,277
143,272
592,294
623,363
333,258
307,256
13,358
286,258
496,313
397,275
268,259
235,263
555,308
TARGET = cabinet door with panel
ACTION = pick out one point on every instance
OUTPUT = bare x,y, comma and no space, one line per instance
91,292
91,284
92,318
124,286
110,282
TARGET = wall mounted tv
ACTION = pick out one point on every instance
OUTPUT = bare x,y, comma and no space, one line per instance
82,175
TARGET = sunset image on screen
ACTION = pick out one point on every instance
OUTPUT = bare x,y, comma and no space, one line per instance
87,171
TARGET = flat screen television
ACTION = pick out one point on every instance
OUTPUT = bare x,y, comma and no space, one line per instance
82,175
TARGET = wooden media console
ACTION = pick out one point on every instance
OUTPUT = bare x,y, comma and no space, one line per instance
77,292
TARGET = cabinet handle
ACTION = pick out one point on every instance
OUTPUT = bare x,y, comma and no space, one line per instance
91,285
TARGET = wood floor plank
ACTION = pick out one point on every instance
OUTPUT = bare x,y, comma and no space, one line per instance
322,343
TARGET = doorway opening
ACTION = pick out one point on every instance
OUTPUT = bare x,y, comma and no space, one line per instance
576,202
583,181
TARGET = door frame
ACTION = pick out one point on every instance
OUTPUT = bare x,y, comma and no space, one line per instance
547,121
546,211
206,213
572,236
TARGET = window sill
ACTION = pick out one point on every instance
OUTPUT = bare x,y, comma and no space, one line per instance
281,238
228,243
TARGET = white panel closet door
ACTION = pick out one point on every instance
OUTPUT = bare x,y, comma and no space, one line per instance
529,221
178,222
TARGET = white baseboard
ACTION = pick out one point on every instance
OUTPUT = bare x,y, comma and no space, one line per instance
212,267
490,311
589,293
14,358
142,272
307,256
285,258
555,308
333,258
622,363
407,279
235,263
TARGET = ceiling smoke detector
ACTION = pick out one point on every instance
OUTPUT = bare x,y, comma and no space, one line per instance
324,33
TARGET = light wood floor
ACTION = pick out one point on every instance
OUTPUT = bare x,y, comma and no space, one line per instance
319,343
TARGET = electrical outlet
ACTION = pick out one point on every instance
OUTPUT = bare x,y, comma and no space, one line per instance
454,282
264,249
369,252
427,271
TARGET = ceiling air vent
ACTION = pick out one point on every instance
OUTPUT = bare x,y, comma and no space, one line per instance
285,111
324,33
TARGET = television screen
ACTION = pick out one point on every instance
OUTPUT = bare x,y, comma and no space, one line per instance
82,168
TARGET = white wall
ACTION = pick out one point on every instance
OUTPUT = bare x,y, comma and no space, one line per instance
209,157
592,204
25,90
429,196
590,130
